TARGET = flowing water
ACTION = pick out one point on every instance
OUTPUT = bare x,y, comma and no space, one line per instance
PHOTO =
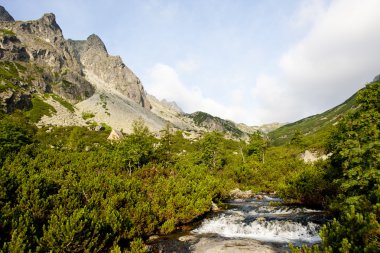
266,221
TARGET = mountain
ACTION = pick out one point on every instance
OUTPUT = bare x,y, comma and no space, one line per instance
4,15
207,121
315,129
76,82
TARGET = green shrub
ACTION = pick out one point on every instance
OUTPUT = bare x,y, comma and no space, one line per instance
306,186
39,109
14,133
137,246
87,115
6,32
63,102
168,226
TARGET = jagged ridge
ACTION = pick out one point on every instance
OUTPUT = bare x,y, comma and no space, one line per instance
36,59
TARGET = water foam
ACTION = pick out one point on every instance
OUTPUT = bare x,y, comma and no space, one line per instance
273,199
260,229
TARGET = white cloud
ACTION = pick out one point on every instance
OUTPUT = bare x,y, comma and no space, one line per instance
238,95
335,59
164,82
269,104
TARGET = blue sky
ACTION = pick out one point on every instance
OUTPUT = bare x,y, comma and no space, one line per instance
250,61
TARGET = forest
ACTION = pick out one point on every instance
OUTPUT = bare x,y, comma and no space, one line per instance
69,189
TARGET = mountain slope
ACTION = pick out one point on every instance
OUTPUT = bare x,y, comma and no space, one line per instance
207,121
315,127
37,62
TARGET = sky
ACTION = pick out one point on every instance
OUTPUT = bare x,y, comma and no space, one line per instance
250,61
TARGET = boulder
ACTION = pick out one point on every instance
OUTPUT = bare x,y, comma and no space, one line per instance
214,207
239,194
115,135
311,157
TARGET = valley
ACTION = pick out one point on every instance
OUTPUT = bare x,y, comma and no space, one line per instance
65,186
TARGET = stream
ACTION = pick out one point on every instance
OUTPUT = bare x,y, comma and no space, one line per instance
251,225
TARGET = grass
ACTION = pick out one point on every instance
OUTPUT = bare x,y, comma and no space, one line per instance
63,102
6,85
87,115
8,70
6,32
316,128
106,127
39,109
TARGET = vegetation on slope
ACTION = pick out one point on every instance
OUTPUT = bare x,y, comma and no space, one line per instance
315,129
203,119
70,190
352,177
355,171
67,189
39,109
19,81
62,101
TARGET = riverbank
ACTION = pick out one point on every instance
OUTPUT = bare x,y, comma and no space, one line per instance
211,244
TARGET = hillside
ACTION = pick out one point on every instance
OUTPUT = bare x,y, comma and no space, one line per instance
213,123
314,129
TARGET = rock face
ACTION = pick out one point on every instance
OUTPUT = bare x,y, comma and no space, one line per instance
35,58
10,100
95,59
4,15
213,123
66,62
48,58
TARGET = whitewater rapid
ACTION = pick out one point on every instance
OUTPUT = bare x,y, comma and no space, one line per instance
265,220
262,225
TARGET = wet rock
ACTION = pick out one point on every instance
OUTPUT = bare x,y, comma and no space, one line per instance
239,194
168,246
214,207
261,219
259,197
188,238
221,245
153,238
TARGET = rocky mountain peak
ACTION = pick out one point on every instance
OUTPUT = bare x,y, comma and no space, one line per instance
93,41
4,15
49,20
108,72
